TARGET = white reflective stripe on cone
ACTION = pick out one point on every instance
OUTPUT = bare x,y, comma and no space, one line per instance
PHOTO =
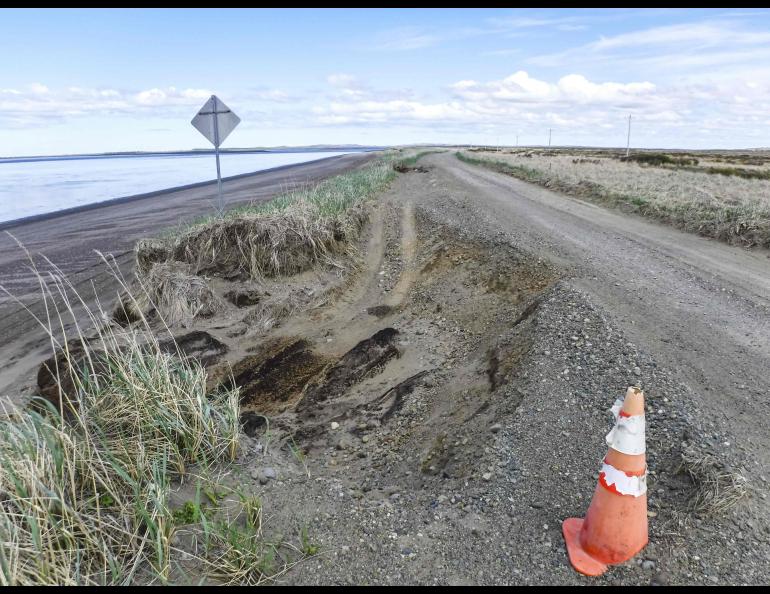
619,481
627,436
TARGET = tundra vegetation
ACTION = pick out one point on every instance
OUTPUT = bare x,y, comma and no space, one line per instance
722,197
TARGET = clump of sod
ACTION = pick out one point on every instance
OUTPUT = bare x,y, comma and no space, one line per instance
285,236
179,296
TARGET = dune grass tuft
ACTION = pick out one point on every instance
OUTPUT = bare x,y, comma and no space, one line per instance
84,496
717,489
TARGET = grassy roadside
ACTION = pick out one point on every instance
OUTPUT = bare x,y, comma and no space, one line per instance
289,234
690,163
745,223
86,473
85,480
407,163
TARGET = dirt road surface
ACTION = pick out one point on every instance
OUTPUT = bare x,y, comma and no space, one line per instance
467,371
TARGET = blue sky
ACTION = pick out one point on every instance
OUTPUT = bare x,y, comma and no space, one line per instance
108,80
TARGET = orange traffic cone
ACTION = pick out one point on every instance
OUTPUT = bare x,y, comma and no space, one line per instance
615,526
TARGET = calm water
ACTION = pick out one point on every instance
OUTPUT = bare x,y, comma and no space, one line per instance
46,186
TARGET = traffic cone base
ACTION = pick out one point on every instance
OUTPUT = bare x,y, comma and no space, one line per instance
580,560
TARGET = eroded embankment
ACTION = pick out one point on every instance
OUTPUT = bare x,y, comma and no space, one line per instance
434,411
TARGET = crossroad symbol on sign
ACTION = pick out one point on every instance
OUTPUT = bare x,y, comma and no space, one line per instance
215,121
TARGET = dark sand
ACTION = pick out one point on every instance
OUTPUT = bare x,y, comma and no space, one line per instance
70,241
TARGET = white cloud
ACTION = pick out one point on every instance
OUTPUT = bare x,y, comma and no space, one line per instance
384,111
38,89
171,96
573,105
341,80
515,22
570,89
37,104
705,34
688,49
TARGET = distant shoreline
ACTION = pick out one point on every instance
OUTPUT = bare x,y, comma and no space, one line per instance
4,225
191,153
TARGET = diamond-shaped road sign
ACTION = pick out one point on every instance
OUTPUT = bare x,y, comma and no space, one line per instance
215,121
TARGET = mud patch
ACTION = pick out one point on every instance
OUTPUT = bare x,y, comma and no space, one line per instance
392,400
60,375
198,345
274,379
252,423
360,362
244,297
379,311
448,255
401,168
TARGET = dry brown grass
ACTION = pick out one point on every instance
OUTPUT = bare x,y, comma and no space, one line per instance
255,245
717,489
285,236
179,296
729,208
291,234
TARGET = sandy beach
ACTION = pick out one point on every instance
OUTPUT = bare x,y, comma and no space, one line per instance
70,240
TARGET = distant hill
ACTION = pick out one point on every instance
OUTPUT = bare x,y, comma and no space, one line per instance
128,154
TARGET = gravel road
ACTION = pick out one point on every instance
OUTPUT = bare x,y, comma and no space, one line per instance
472,358
468,483
700,307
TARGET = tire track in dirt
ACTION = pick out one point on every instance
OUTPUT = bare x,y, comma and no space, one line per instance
349,317
408,253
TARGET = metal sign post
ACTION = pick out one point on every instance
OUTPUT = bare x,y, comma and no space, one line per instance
215,121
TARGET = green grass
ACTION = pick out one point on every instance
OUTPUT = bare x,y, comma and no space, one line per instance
659,159
519,171
331,197
307,546
407,163
84,496
734,171
690,163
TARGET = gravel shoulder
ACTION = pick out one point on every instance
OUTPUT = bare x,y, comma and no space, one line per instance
701,307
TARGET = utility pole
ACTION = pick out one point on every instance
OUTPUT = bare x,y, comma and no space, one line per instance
517,141
628,140
549,137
